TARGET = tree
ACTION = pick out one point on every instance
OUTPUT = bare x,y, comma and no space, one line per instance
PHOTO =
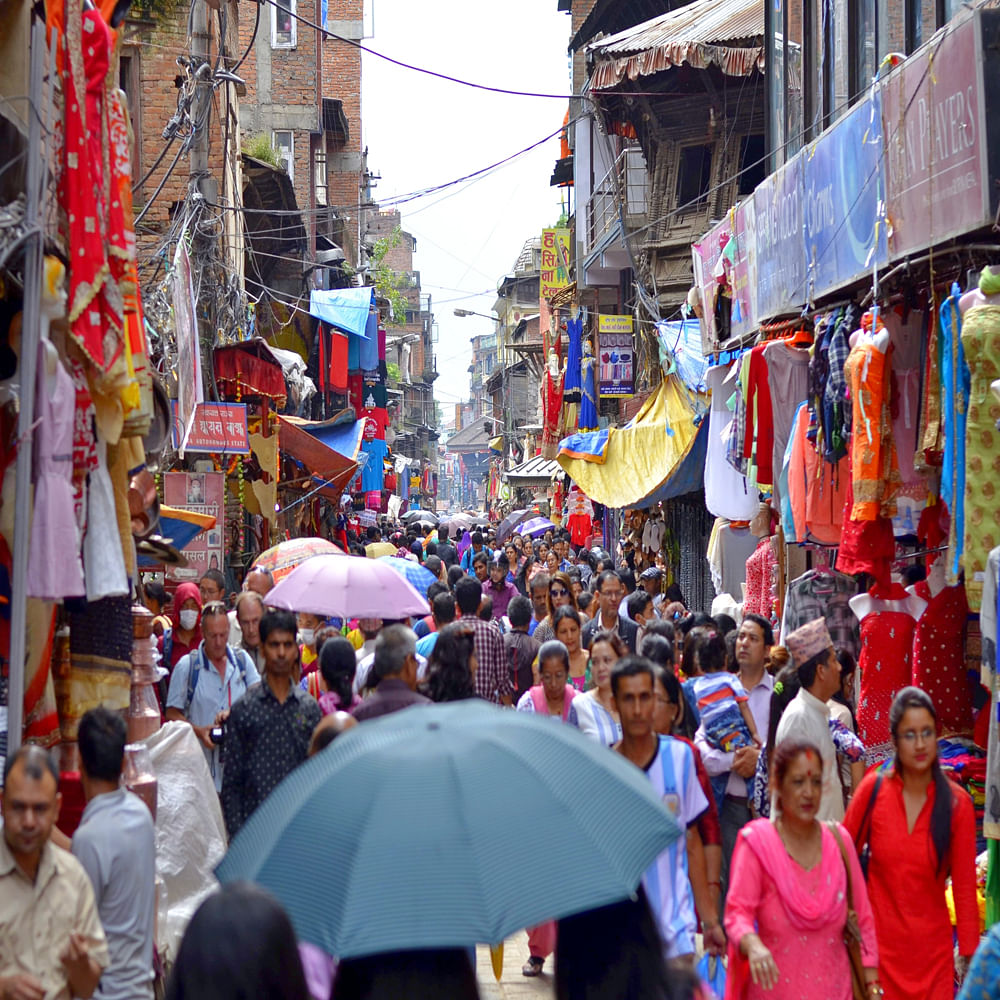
389,284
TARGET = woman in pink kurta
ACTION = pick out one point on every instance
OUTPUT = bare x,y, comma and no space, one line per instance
787,901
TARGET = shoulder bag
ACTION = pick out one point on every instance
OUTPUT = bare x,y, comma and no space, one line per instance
852,931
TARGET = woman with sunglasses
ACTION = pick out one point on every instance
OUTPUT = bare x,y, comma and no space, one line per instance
560,595
919,828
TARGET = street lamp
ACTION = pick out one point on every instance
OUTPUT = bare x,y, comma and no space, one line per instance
462,313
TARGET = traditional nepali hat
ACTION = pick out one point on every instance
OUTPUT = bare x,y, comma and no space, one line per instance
808,641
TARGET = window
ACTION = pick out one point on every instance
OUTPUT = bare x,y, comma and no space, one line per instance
284,146
319,173
283,24
753,165
694,172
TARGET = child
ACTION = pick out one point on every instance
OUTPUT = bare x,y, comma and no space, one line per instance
722,699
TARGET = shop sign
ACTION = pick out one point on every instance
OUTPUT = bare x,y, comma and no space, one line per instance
844,185
781,269
727,250
935,140
217,427
555,261
203,493
189,388
615,356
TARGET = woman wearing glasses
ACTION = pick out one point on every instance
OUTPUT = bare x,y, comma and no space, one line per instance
920,829
560,596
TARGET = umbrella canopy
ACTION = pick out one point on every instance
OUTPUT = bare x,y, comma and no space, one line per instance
458,523
509,523
536,526
420,515
347,587
279,560
456,782
419,577
376,549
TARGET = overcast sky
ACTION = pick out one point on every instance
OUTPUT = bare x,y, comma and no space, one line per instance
421,131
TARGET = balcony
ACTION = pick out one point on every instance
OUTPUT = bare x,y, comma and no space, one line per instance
627,179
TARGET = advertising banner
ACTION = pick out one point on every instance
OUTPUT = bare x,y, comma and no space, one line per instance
615,356
217,427
781,266
202,492
189,388
555,261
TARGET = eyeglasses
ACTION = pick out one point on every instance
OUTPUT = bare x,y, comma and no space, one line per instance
559,592
912,736
611,593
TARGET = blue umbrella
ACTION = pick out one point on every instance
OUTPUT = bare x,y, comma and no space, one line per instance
535,527
425,815
419,577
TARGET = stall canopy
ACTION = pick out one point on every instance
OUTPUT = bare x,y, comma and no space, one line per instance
179,527
307,443
536,471
655,455
345,308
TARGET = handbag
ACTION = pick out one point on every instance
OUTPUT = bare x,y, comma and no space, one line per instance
864,847
852,931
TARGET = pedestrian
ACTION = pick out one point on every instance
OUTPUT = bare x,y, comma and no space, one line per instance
470,553
444,973
984,970
498,589
445,550
552,562
676,881
395,667
260,956
268,730
249,610
212,587
327,730
553,696
52,945
156,599
639,608
594,712
451,668
559,594
521,648
442,613
807,718
480,566
609,596
207,683
538,592
308,625
792,886
567,628
920,830
492,676
337,667
116,844
184,635
258,581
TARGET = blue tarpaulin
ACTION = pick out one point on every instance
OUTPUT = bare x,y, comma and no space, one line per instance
345,308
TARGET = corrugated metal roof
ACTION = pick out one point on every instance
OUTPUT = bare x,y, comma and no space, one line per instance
695,34
535,468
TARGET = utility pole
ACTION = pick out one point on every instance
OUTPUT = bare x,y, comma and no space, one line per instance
202,104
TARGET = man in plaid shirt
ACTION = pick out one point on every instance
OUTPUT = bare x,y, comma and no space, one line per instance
492,676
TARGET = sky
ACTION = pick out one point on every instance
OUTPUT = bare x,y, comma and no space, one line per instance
421,131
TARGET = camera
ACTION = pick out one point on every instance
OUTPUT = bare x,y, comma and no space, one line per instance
217,734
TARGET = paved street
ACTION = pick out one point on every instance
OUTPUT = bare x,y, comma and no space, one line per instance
512,985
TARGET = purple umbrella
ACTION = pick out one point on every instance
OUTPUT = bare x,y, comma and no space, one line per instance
535,527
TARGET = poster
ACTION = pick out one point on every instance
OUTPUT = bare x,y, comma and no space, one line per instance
203,492
555,261
615,356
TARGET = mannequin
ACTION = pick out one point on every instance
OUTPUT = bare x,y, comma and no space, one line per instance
588,379
552,396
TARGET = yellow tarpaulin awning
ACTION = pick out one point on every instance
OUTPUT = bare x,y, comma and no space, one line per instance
642,455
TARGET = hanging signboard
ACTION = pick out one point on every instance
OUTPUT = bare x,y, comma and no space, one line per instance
615,356
555,261
189,388
780,259
202,492
217,427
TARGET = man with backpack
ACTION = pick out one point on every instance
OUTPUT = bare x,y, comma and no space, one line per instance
207,682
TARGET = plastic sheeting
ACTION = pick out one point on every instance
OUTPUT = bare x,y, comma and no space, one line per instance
190,832
345,308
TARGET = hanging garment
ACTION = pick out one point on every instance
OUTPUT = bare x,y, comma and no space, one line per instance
736,545
981,346
888,620
737,429
758,438
552,396
865,546
788,383
588,400
939,656
103,561
988,678
823,594
819,374
54,567
761,566
929,439
727,493
574,358
954,407
836,410
815,488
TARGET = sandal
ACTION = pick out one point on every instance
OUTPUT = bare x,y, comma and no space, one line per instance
533,967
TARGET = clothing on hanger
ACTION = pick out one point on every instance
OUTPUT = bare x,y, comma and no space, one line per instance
823,594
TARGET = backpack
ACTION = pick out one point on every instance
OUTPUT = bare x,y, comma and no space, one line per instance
238,657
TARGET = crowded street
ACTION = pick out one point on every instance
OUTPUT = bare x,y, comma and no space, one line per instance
499,501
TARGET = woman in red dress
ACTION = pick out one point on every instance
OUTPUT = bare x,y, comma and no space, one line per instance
920,829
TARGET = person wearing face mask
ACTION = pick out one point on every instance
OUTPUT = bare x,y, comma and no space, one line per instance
185,634
308,626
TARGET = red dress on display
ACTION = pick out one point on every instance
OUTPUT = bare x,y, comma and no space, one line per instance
939,656
865,546
888,620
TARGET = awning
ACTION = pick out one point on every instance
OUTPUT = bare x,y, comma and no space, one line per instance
535,471
249,371
180,527
345,308
646,454
323,463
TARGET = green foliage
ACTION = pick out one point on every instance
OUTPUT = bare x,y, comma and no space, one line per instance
392,371
260,147
389,283
563,221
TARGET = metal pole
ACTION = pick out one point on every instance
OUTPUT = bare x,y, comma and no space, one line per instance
203,92
28,364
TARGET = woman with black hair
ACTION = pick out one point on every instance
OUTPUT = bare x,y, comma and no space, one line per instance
452,665
337,665
446,973
920,829
239,945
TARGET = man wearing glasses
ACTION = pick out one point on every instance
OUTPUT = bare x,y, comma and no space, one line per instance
609,596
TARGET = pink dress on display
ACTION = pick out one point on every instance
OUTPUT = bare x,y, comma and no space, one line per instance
54,567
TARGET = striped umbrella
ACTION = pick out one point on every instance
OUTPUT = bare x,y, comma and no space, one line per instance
419,577
279,560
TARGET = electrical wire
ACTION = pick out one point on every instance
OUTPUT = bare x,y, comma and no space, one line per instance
420,69
159,187
253,38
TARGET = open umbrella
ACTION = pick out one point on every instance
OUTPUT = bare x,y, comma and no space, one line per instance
420,515
419,577
535,527
457,523
347,587
456,782
279,560
509,523
376,549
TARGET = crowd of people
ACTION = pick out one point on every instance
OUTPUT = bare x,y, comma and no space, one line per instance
812,877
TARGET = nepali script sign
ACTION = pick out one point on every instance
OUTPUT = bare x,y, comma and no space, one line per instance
555,261
217,428
204,493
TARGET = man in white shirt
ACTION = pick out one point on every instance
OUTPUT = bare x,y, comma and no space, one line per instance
806,719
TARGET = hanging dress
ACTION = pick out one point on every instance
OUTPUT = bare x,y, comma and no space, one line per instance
981,345
727,493
588,402
939,656
954,404
574,358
